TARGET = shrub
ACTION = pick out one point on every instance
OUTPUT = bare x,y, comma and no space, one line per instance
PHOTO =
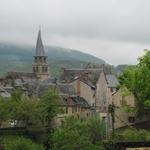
79,134
20,143
132,134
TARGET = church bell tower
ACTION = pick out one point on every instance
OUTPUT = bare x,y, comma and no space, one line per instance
40,66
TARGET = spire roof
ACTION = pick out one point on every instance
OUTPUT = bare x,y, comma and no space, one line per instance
39,45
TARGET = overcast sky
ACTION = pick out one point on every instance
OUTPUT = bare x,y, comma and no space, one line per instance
115,30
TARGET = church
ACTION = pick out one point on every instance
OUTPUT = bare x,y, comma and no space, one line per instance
40,66
35,83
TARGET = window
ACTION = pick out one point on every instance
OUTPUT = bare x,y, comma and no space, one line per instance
40,58
66,110
34,69
87,114
111,89
104,108
35,60
72,109
45,69
37,69
62,122
103,118
131,119
146,112
75,108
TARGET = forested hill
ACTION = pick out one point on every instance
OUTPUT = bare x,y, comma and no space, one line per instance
20,58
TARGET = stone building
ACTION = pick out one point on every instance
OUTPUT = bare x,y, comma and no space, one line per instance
93,84
71,104
126,110
121,102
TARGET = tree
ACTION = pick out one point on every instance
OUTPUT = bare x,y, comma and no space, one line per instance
4,113
74,134
96,129
22,109
49,106
137,80
20,143
14,106
28,112
64,139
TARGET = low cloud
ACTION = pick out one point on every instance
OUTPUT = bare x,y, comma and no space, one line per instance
115,30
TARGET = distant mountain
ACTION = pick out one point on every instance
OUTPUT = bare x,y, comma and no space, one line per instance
20,58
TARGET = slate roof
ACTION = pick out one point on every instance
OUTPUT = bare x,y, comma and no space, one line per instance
76,100
89,76
4,93
17,74
112,80
39,46
67,92
64,89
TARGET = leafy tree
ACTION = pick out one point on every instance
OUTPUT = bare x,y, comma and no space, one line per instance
96,129
49,107
132,134
28,111
64,139
22,109
48,104
137,80
20,143
14,106
4,113
77,134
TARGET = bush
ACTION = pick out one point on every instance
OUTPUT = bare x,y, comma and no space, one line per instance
20,143
132,134
74,134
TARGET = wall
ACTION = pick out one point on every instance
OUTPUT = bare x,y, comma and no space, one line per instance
122,116
85,91
102,94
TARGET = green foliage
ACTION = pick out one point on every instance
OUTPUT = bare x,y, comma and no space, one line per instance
4,113
20,143
137,80
74,134
128,108
21,108
132,134
49,105
111,145
25,111
64,139
35,115
96,129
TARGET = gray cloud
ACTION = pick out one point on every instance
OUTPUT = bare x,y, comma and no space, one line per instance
115,30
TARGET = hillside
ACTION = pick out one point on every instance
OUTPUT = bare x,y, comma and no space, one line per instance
20,58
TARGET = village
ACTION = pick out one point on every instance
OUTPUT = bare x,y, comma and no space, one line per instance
85,92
